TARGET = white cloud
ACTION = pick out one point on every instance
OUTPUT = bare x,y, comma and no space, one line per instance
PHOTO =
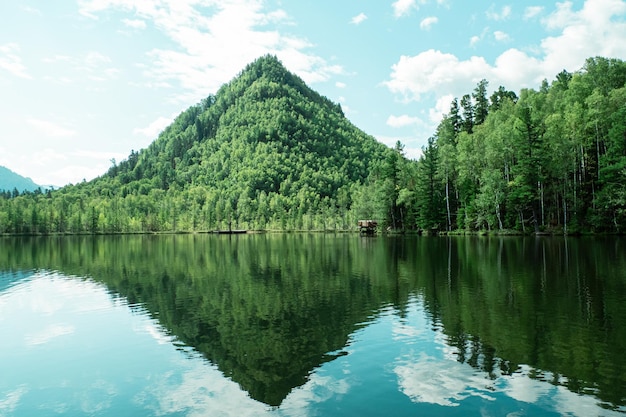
391,141
212,44
593,30
515,70
358,19
10,60
562,17
57,167
532,11
474,40
402,121
45,157
501,36
95,59
403,7
49,333
56,58
428,22
94,66
503,14
60,80
134,23
442,107
32,10
75,173
339,84
435,72
98,155
411,149
50,129
155,128
412,152
91,60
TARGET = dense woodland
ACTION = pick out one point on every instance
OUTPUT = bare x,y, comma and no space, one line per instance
268,153
548,160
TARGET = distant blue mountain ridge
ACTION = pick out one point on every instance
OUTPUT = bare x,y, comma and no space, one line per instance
9,181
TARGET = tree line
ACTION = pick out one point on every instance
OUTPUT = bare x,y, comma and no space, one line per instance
267,152
264,152
548,160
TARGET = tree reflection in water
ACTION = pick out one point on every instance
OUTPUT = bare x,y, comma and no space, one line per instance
269,309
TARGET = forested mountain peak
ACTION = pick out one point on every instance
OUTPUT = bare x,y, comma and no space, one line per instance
269,69
264,151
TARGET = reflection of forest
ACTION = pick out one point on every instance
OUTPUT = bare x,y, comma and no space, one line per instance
268,309
554,304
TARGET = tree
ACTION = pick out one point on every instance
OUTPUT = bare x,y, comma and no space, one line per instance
447,166
468,113
500,96
481,107
455,119
391,180
430,195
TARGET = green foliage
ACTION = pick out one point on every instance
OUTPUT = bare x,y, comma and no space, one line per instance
550,160
266,152
431,195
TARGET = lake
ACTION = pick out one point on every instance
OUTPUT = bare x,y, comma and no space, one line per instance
312,325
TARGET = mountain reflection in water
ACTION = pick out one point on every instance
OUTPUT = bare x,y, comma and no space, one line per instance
470,319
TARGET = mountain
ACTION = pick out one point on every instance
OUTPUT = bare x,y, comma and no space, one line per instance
266,151
9,180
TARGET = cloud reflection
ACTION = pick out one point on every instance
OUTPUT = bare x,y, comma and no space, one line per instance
318,389
201,390
157,333
51,332
445,381
521,387
428,379
51,306
12,399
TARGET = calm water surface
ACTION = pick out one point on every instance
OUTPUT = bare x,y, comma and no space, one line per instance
312,325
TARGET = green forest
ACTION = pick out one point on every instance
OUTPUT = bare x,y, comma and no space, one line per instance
266,152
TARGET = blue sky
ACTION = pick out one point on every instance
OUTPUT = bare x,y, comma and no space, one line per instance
85,81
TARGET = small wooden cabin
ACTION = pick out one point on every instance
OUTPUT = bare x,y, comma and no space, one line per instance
368,226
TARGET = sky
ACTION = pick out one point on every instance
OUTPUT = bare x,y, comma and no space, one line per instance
84,82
